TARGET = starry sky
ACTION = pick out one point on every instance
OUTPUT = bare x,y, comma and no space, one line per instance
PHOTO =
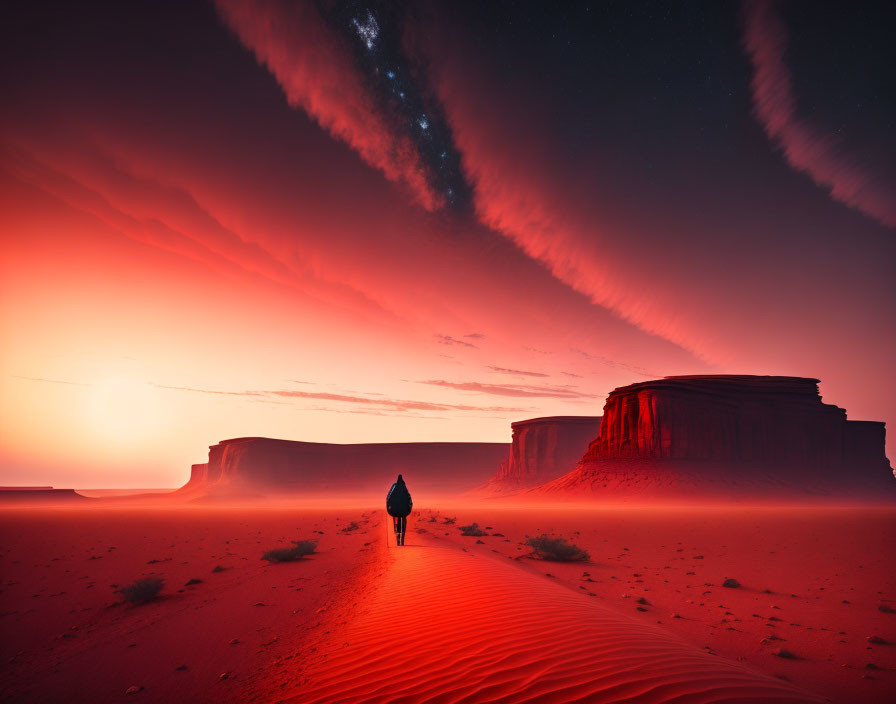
404,221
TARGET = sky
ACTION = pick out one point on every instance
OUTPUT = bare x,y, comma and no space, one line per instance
418,221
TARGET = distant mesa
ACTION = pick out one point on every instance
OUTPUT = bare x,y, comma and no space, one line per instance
265,466
30,495
729,436
542,449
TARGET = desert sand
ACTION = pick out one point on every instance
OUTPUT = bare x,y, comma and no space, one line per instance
66,635
451,618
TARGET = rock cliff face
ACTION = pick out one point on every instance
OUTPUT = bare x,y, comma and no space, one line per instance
756,434
543,449
268,466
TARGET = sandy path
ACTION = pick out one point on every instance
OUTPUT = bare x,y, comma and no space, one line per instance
444,625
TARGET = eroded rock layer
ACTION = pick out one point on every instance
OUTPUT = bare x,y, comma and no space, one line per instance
543,449
730,434
269,466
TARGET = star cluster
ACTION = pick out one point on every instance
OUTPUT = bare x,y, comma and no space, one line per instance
374,33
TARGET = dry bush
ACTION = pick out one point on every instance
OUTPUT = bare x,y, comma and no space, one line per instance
556,549
472,530
299,549
142,590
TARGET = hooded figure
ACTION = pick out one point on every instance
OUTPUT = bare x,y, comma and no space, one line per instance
399,505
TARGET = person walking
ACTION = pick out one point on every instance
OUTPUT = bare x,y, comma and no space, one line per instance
399,505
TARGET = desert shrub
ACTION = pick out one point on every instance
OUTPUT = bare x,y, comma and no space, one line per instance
350,527
556,549
473,529
448,520
299,549
142,590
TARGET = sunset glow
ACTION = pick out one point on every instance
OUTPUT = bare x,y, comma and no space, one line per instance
283,225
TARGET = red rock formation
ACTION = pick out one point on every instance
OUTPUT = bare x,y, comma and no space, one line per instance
40,495
268,466
729,433
543,449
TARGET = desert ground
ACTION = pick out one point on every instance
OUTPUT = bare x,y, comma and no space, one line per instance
449,617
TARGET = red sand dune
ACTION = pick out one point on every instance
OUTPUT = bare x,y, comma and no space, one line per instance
66,635
448,618
444,625
812,579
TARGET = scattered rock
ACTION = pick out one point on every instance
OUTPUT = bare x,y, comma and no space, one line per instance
731,583
224,676
192,582
877,640
884,608
133,689
783,653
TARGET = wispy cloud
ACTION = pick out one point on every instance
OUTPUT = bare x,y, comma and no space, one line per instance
448,340
807,147
516,390
517,372
390,406
634,369
48,381
207,391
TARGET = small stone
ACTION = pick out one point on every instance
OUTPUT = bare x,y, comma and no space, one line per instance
731,583
877,640
783,653
223,675
133,689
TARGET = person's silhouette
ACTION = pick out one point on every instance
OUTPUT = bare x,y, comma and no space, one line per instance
399,505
